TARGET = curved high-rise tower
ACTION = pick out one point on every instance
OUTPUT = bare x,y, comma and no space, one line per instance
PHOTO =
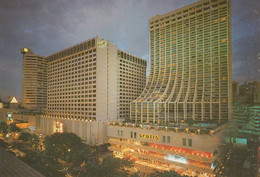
190,65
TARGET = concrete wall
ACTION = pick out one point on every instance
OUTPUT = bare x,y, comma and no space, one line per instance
92,132
101,80
112,82
106,96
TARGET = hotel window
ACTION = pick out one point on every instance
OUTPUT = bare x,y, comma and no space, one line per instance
131,134
190,142
118,132
134,134
121,132
168,139
164,139
184,141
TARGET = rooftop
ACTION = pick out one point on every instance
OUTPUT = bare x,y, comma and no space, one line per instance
196,128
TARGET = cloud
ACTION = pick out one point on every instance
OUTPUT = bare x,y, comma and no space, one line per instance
47,26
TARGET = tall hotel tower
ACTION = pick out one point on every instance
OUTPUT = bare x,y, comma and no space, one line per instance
88,84
190,65
190,78
34,93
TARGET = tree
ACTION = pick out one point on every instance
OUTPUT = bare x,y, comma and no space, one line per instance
4,129
42,163
68,151
66,146
14,128
190,122
108,167
29,139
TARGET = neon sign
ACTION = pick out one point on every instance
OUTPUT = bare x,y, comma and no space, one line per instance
176,159
102,43
147,136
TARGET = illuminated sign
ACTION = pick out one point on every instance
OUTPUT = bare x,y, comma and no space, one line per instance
151,137
24,50
176,159
59,127
22,125
14,100
32,128
212,166
9,116
102,43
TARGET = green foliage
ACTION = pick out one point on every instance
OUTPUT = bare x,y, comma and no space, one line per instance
42,163
28,138
108,167
190,122
66,154
14,128
4,129
66,146
66,151
97,150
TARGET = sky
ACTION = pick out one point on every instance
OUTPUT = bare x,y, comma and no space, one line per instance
47,26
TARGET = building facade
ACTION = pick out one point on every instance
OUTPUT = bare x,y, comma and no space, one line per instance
190,65
247,117
82,81
189,152
131,79
34,92
90,83
93,80
246,108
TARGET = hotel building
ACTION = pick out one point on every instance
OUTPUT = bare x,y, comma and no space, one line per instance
190,79
34,92
198,150
131,72
90,83
190,65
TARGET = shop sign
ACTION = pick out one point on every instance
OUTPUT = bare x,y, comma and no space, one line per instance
147,136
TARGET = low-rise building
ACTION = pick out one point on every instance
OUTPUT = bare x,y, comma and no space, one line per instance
192,150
